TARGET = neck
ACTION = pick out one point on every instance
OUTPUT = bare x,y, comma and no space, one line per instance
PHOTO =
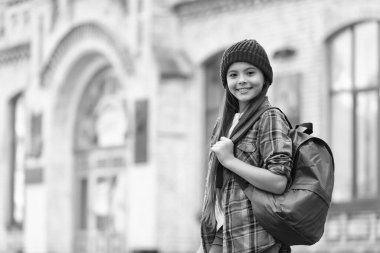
243,107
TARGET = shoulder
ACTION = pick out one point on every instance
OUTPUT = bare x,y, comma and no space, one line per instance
273,112
274,117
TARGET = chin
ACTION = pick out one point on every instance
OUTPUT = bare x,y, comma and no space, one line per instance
246,98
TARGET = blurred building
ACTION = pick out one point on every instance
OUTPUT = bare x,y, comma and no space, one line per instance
106,109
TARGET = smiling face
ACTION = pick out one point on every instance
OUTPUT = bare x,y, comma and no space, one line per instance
245,82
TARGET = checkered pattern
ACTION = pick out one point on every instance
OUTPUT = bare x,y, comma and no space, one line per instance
266,145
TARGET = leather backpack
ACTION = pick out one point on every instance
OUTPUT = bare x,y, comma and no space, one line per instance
298,216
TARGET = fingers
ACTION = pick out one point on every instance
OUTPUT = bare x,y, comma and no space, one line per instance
216,147
224,142
223,138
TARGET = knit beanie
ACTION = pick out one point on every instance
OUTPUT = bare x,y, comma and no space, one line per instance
249,51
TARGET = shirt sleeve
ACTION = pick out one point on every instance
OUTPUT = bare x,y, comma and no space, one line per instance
275,143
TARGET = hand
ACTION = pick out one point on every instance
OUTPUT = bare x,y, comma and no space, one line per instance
224,150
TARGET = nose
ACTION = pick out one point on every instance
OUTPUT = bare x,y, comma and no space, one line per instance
241,79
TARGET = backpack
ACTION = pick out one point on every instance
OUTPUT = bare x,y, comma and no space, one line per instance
298,216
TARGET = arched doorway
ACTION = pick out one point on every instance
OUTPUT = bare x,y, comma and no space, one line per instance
88,56
99,153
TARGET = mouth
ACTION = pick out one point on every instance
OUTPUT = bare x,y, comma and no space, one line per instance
243,90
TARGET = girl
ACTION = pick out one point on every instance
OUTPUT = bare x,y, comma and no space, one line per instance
262,157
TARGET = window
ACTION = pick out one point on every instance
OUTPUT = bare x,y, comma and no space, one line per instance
141,134
287,96
354,99
140,24
17,191
102,118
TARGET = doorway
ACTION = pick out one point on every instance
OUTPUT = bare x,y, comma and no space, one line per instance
100,166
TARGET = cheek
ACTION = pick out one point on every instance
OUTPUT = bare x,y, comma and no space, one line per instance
231,86
260,83
230,90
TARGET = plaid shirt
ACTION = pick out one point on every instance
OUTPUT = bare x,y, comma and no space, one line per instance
267,145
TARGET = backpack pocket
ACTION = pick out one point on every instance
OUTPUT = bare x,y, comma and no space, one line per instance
315,189
296,218
304,211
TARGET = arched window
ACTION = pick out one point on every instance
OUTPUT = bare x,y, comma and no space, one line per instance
102,117
354,99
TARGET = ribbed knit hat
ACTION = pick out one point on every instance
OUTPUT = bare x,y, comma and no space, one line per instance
246,51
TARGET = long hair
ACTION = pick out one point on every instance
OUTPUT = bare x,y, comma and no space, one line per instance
222,126
223,123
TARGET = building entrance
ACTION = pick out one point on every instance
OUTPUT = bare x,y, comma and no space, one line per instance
100,167
100,199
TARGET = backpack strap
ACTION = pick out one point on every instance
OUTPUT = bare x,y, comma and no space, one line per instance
306,128
286,118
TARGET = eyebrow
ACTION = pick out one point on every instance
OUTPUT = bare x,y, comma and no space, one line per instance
251,67
245,69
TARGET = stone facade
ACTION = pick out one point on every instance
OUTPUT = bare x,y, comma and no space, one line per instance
141,189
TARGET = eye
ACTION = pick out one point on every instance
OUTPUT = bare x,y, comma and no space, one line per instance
251,72
232,75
